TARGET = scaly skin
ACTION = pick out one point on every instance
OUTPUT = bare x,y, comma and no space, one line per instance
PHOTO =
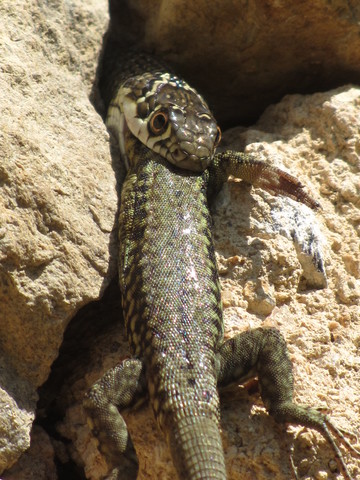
171,299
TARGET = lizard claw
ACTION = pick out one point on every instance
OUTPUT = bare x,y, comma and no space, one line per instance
334,440
334,436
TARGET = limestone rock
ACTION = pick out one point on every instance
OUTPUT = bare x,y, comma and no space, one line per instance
245,55
316,138
57,200
39,460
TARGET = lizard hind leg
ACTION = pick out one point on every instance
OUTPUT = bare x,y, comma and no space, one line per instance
119,388
263,352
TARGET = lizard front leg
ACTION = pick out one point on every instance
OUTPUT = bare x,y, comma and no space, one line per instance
263,352
118,388
259,174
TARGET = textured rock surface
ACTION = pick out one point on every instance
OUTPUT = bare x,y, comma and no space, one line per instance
253,53
58,207
57,199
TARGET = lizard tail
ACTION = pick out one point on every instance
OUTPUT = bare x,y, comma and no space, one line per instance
196,449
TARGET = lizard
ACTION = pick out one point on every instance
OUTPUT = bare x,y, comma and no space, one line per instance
169,281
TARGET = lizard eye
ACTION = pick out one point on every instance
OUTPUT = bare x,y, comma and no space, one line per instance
158,122
218,137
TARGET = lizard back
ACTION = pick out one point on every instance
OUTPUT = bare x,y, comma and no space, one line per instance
171,300
167,268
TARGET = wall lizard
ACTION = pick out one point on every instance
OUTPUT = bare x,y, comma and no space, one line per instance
169,282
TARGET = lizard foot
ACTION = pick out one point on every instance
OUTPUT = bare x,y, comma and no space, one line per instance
313,418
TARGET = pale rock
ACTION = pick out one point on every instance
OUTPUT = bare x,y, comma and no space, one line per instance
245,55
57,199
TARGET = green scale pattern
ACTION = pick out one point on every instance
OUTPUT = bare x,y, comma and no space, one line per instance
171,299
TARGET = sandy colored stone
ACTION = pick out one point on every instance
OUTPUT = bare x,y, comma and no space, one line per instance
316,138
245,55
39,461
57,198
